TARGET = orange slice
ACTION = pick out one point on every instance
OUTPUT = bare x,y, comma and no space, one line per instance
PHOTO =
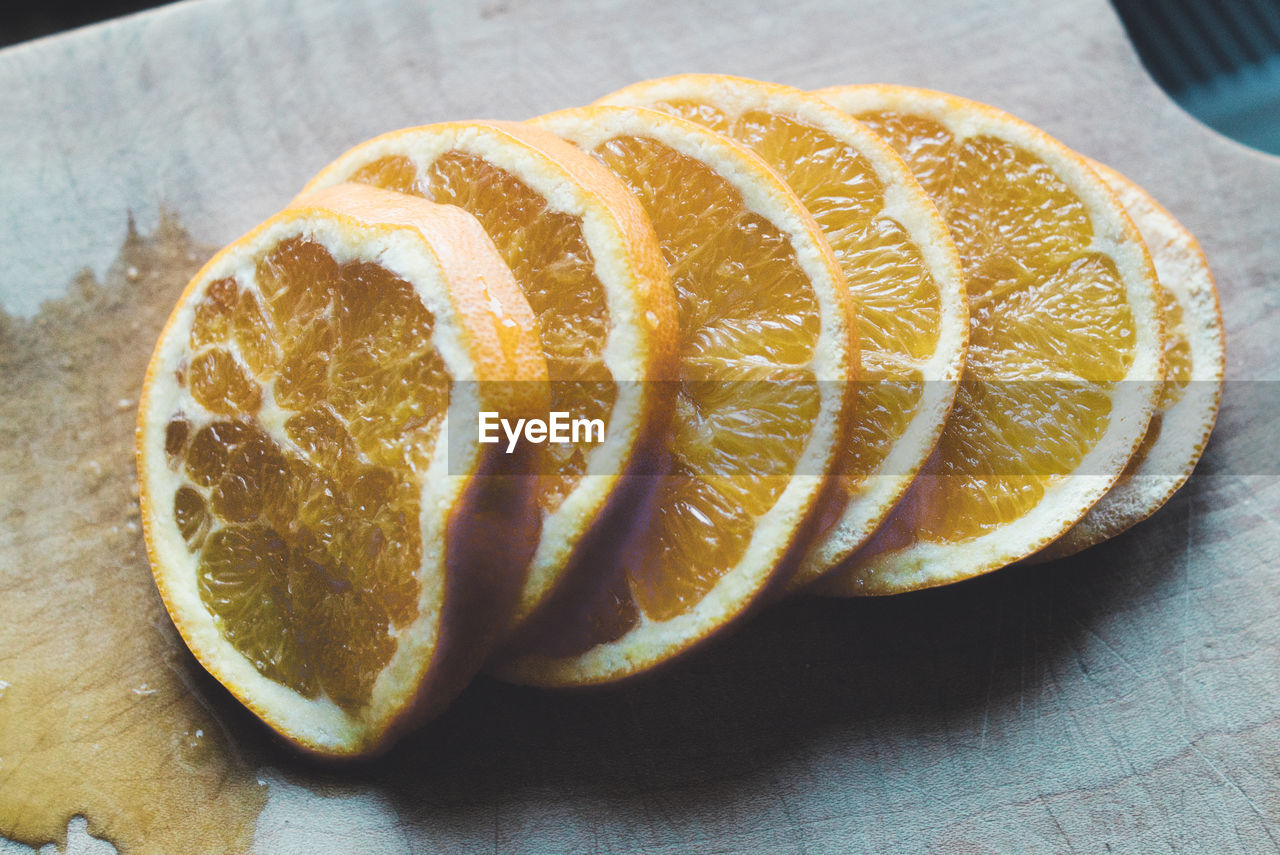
319,551
1064,358
585,256
1195,363
902,269
767,354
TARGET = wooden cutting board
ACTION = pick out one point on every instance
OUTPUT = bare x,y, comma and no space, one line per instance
1126,700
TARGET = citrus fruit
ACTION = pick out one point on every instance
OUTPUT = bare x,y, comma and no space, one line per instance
767,353
319,546
585,256
902,269
1195,356
1064,362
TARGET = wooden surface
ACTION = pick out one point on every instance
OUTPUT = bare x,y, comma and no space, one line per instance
1125,700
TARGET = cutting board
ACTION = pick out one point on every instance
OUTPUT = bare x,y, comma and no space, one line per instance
1125,700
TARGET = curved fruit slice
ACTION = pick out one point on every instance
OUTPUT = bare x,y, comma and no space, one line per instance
320,553
1195,362
1064,358
586,258
766,355
903,273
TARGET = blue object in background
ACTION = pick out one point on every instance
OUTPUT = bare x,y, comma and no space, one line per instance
1219,59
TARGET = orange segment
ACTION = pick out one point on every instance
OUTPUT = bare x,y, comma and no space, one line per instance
294,485
549,256
766,356
902,271
1195,357
586,259
1064,349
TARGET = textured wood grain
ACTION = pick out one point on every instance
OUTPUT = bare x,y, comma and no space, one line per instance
1123,700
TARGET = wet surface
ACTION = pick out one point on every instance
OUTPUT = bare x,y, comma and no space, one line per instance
103,712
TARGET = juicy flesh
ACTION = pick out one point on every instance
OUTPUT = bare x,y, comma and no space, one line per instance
299,486
1177,351
898,305
550,259
1050,331
747,400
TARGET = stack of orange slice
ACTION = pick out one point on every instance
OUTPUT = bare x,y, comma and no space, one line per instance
858,341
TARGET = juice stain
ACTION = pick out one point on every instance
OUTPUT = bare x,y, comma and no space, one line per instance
103,712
